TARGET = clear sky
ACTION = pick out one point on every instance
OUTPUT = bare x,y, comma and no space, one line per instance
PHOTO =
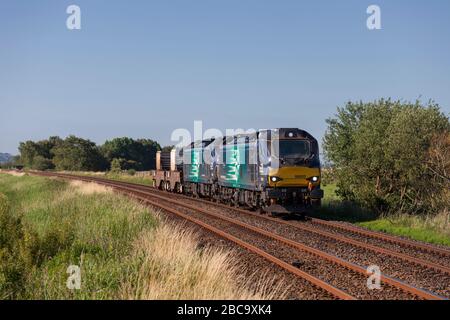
145,68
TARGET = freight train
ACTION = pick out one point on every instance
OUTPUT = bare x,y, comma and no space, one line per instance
275,171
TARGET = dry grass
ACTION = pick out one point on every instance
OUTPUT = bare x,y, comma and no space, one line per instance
89,188
175,268
430,227
13,173
87,173
439,222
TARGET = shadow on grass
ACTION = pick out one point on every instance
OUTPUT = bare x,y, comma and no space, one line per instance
337,210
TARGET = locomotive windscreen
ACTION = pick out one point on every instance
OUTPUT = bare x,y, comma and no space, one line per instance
294,149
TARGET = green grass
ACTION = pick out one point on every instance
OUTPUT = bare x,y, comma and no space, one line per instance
333,208
435,229
431,229
128,178
330,192
124,250
125,177
59,227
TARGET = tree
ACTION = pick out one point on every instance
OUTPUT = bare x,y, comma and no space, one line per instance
41,163
30,151
116,165
77,154
438,165
438,161
167,148
379,152
136,154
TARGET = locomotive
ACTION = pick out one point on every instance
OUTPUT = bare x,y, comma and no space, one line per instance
275,171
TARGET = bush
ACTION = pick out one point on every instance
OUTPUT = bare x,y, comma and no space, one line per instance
381,153
41,163
10,228
77,154
137,154
131,172
22,251
12,268
116,165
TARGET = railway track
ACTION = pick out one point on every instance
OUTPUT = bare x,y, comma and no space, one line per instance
384,237
417,249
413,256
412,268
350,229
348,280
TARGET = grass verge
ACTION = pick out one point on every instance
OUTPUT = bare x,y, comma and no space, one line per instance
124,250
125,177
432,229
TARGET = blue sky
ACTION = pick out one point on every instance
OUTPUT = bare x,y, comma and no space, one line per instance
145,68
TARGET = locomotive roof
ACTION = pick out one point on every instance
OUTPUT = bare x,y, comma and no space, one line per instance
293,133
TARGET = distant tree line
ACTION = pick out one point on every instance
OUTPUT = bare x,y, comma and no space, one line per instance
391,156
12,163
78,154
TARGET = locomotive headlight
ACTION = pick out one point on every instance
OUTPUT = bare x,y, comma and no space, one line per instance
315,179
275,179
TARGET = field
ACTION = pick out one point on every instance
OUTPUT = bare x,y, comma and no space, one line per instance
432,229
123,249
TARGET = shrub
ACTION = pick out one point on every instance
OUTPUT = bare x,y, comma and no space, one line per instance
380,153
10,227
138,154
438,165
12,268
22,251
41,163
116,165
77,154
